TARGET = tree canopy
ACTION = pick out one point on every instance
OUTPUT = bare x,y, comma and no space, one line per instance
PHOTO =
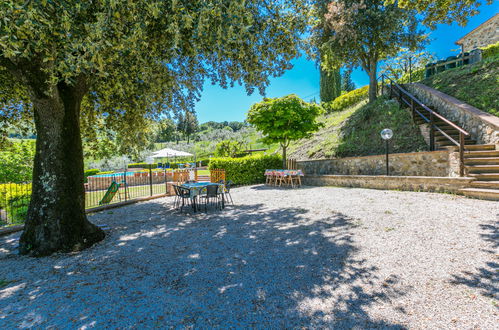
442,11
364,32
347,83
69,64
187,124
285,119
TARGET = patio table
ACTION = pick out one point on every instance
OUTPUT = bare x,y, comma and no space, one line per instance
199,188
286,176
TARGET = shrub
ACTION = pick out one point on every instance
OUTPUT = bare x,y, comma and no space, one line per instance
142,165
14,198
228,148
417,75
490,51
204,161
16,161
90,172
246,170
346,100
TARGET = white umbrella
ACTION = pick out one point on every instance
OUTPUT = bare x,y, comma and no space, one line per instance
167,153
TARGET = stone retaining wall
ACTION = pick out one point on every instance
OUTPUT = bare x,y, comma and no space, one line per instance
434,163
483,127
430,184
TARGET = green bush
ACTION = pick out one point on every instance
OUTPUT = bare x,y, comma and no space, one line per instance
417,75
90,172
16,161
228,148
346,100
142,165
246,170
14,198
490,51
204,161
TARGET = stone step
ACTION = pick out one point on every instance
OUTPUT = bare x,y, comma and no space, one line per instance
480,147
485,184
440,136
448,143
485,176
448,132
481,153
451,132
483,169
488,194
482,160
439,123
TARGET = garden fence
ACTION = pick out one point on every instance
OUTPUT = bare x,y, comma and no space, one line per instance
14,201
99,190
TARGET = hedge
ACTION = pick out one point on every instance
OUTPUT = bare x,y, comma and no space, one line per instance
142,165
173,165
490,51
204,161
346,100
246,170
90,172
14,198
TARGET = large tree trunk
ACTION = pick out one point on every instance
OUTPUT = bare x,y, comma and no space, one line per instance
373,82
56,218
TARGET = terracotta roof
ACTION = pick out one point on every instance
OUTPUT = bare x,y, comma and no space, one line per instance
459,41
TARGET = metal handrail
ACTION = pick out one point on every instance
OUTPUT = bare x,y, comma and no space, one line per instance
426,108
433,126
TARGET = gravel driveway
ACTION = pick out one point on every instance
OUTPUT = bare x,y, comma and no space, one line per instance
281,258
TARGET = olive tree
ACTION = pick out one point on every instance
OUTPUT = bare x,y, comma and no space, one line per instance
285,119
65,64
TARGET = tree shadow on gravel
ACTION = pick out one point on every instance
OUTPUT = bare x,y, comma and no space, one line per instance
248,266
485,279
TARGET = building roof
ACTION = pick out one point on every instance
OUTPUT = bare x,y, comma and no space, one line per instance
460,40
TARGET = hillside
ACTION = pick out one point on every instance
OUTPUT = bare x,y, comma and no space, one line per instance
355,131
475,84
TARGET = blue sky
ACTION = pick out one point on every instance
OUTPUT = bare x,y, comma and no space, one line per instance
232,104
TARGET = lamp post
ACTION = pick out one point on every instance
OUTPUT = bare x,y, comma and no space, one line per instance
386,135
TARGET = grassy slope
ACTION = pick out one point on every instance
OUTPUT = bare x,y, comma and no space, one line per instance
355,132
475,84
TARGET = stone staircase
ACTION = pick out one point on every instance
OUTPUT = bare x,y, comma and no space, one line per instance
481,161
482,164
441,141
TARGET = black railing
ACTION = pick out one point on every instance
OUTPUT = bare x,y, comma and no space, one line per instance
128,185
429,116
99,190
14,202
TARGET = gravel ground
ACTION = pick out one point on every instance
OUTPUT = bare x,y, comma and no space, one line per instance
310,257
